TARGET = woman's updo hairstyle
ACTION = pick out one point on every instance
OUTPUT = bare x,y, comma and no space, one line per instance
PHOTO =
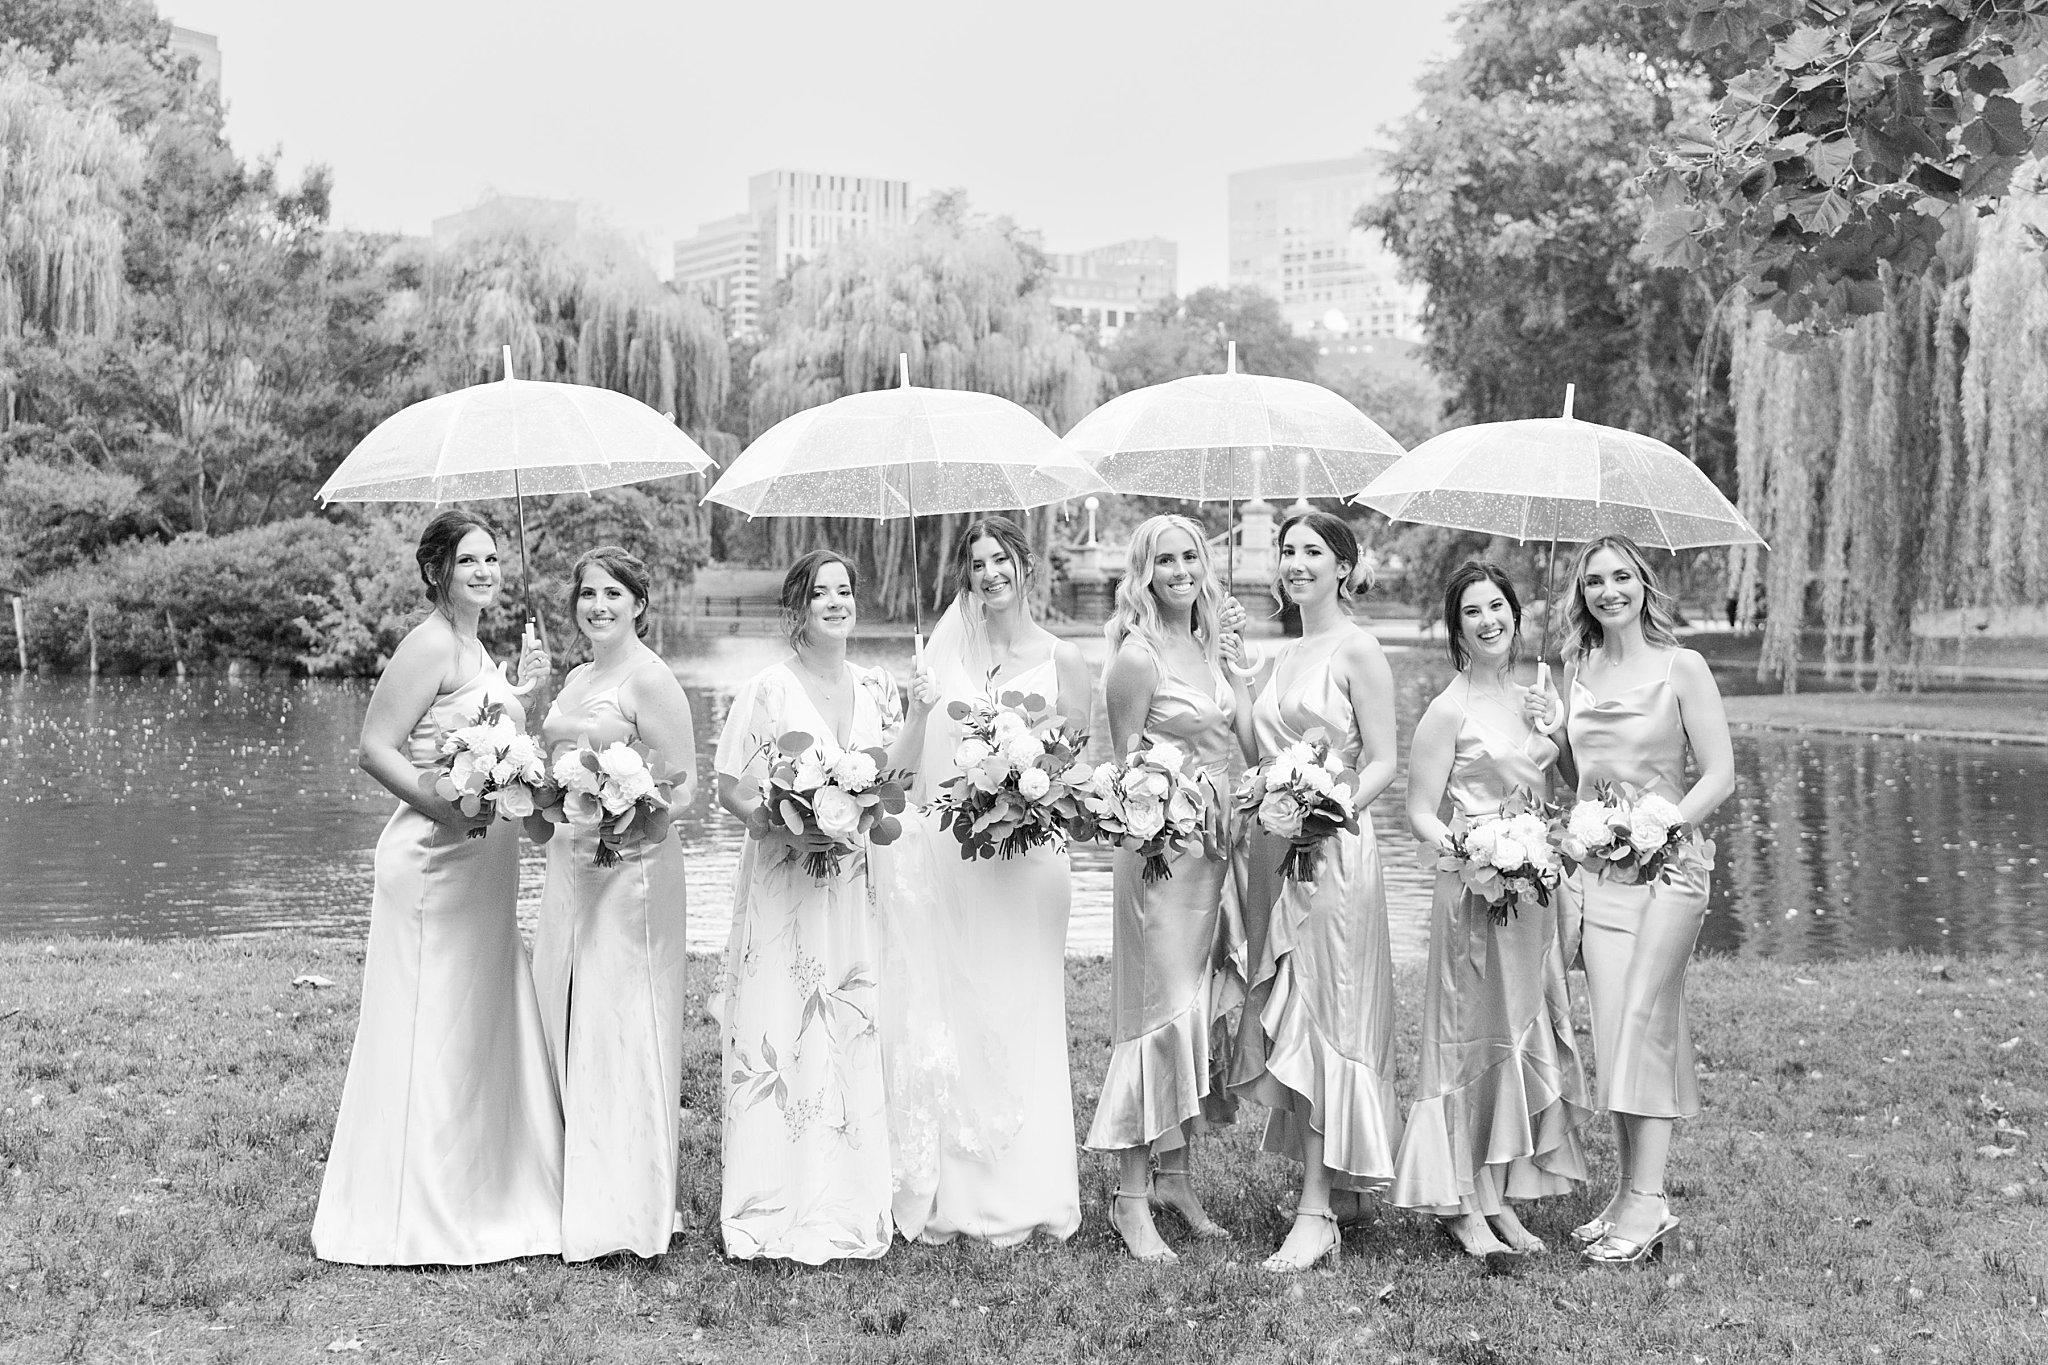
798,583
438,544
1467,575
1005,533
1336,533
625,567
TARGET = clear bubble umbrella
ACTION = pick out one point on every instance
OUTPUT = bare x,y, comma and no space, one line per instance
511,438
1559,479
1229,436
903,452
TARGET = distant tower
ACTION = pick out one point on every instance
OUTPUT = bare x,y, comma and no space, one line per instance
1106,288
203,48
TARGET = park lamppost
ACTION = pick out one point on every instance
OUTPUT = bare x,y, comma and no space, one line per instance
1091,504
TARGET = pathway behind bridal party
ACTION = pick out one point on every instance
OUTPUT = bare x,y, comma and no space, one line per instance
1868,1182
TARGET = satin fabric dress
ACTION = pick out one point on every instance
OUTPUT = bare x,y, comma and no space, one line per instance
448,1146
1315,1044
1170,991
1502,1093
1638,939
806,1172
608,958
1009,922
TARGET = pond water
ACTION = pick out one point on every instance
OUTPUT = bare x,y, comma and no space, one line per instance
157,807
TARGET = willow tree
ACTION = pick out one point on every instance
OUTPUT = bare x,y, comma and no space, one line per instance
586,309
1901,465
963,297
65,164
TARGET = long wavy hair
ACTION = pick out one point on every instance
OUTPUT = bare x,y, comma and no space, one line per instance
1137,610
1660,610
1468,575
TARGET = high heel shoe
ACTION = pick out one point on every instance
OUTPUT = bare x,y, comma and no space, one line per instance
1164,1255
1208,1229
1280,1263
1611,1250
1590,1231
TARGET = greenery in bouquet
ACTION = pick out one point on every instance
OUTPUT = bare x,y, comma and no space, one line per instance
1506,859
1154,803
491,762
1302,795
1630,836
1021,778
618,790
815,788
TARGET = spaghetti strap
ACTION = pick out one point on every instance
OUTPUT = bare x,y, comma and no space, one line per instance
1670,663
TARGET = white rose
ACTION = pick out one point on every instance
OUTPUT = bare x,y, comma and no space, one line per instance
504,773
1479,844
854,771
1647,830
1168,756
1649,803
572,775
1009,725
526,755
636,785
971,752
1508,853
1033,783
1024,750
469,771
1588,825
515,802
1302,753
810,771
1317,779
838,813
1341,794
1145,816
620,760
1282,771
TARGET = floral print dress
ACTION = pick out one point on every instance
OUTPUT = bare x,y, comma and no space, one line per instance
807,1172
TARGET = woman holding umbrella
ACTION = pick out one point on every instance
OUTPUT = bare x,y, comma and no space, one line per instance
1637,704
1168,992
1316,1043
448,1147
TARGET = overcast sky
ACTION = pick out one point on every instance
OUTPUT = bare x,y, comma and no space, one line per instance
1090,120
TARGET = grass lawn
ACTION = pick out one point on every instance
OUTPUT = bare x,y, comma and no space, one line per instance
2015,717
1860,1188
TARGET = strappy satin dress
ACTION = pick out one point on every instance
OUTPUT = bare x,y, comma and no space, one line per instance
1502,1093
448,1147
1315,1044
1169,994
608,959
1638,939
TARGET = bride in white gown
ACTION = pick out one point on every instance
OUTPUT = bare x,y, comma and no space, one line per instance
1000,925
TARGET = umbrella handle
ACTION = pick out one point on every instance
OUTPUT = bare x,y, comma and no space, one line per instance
1554,722
1254,662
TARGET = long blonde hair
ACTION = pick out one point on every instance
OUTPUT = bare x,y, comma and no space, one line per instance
1137,610
1659,617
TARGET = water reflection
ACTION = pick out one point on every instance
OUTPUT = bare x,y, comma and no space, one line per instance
155,807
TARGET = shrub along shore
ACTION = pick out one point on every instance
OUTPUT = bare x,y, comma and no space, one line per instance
1866,1183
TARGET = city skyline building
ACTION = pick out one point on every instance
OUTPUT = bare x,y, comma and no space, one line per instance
203,48
1292,234
1108,287
790,217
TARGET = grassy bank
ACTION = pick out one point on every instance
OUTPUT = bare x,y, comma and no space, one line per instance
1856,1190
2004,717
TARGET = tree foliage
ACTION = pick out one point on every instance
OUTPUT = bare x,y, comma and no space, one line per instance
1183,336
1842,152
1513,197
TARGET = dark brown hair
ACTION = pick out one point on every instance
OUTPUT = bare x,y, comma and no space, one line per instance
1336,533
797,585
438,544
625,567
1005,533
1467,575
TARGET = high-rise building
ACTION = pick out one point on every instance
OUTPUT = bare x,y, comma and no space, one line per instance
800,213
554,220
203,48
791,216
1293,234
1107,287
722,265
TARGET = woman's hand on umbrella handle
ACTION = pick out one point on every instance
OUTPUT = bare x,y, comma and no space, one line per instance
1232,620
924,688
1541,706
534,663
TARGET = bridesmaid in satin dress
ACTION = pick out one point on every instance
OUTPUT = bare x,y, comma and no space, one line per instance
1169,984
1502,1093
1316,1042
609,951
1007,917
448,1147
1637,704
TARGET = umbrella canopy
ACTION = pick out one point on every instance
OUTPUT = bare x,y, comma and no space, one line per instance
1210,437
902,452
1559,479
510,438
